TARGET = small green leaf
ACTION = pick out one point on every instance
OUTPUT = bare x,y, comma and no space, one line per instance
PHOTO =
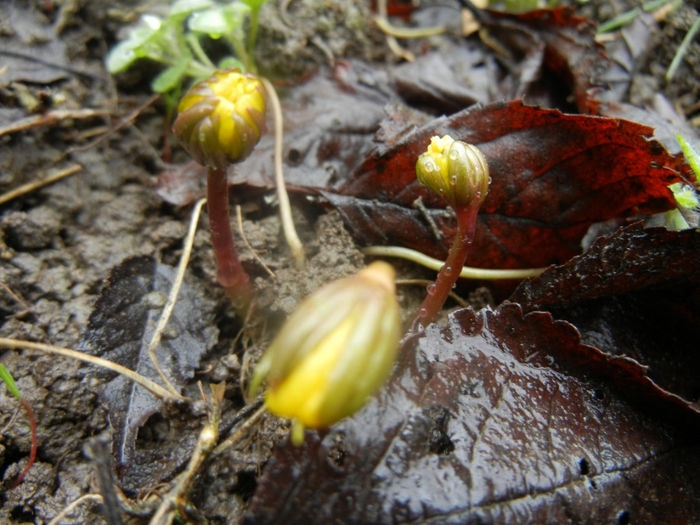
135,46
685,195
9,381
186,7
690,155
231,62
120,57
171,76
218,21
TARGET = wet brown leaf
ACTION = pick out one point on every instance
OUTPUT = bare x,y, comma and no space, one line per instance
497,418
120,329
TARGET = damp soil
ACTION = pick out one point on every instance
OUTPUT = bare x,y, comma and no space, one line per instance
59,244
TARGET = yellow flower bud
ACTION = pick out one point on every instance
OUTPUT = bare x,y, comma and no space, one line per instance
455,170
220,119
334,351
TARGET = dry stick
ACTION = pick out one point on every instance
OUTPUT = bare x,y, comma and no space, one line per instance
72,505
205,444
51,118
174,291
290,233
123,122
35,185
151,386
241,431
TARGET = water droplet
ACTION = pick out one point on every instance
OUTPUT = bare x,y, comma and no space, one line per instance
454,285
478,195
453,180
431,289
422,312
448,268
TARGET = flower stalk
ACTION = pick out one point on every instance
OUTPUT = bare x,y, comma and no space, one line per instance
219,123
459,173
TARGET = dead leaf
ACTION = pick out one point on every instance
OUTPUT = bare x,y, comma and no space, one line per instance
497,418
120,329
553,175
631,259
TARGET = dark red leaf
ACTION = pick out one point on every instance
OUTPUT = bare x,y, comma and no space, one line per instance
632,259
659,327
497,418
553,175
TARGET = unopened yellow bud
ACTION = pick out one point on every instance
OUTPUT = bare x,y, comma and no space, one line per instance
220,119
334,351
454,170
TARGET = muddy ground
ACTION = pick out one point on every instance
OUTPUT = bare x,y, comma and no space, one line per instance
59,244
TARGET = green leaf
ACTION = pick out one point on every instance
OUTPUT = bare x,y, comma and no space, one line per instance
171,76
137,44
255,4
690,155
230,62
217,21
186,7
685,195
9,381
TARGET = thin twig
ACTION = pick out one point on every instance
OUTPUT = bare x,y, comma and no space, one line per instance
17,298
290,233
122,123
239,217
50,118
4,429
72,505
35,185
468,272
240,431
151,386
174,291
203,449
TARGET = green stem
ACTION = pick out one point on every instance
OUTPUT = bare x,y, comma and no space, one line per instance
467,272
252,36
196,48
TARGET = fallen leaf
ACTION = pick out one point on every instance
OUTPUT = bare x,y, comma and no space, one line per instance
632,259
120,329
552,176
496,418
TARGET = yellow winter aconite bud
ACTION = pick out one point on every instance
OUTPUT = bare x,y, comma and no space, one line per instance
220,119
455,170
334,351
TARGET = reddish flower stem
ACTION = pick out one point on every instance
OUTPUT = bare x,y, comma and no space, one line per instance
229,271
449,273
32,451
